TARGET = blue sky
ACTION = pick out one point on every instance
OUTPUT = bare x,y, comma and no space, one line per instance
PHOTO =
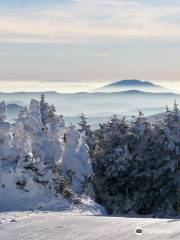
90,41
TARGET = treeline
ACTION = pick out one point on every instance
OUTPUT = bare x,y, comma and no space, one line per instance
137,165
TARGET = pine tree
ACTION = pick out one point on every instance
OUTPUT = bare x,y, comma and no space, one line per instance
43,111
111,167
76,164
51,114
7,149
22,113
85,127
85,168
171,144
48,113
141,146
83,124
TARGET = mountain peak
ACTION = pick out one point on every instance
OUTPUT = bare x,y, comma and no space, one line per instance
134,84
137,82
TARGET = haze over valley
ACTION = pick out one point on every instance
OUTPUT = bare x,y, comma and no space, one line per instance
124,98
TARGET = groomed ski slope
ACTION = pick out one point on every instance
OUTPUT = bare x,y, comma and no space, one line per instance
83,226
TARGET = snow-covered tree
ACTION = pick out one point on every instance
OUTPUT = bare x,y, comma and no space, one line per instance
3,112
48,113
111,164
171,152
142,145
31,123
75,161
85,173
22,113
51,115
43,111
55,134
22,143
85,127
7,149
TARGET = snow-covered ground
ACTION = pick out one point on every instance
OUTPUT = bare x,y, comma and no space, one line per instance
82,225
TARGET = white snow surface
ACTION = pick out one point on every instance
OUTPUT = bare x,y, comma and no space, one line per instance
36,197
76,224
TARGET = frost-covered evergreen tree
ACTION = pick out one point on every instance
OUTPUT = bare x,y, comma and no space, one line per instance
51,115
22,113
48,113
22,143
76,162
7,149
85,168
40,145
85,127
111,165
43,111
141,145
55,134
171,150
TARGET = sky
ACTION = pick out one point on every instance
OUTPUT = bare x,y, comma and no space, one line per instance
76,45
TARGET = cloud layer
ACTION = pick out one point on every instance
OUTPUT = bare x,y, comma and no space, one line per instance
80,21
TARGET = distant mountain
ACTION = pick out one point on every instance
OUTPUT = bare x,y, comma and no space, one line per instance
133,84
147,111
98,102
